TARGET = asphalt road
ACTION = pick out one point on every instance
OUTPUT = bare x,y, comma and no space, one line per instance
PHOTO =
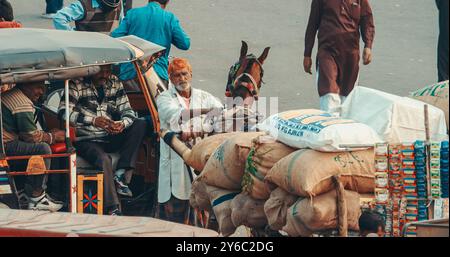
404,49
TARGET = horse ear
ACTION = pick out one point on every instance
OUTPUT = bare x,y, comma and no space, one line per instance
244,49
263,56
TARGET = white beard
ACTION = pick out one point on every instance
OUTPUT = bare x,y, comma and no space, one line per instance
182,88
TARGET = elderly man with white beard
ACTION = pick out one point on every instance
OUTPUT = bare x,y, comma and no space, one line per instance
180,103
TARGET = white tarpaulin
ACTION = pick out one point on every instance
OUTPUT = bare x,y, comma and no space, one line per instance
396,119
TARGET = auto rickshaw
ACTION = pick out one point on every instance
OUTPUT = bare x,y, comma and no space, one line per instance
29,55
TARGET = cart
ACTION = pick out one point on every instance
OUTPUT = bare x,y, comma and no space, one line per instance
28,55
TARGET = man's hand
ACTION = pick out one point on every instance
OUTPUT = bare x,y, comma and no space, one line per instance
367,56
103,123
116,127
307,64
58,135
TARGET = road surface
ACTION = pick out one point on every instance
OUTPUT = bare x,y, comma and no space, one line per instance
404,49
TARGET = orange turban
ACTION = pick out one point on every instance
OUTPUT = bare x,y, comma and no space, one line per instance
178,64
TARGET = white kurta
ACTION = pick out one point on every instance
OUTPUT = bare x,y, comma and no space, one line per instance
173,177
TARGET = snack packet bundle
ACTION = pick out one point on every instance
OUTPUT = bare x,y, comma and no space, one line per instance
395,171
411,215
444,169
396,217
382,201
409,171
381,173
421,178
396,188
435,170
409,187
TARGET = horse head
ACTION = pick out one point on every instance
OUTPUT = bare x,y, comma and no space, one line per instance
246,76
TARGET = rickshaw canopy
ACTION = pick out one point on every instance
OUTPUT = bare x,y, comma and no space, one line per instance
43,54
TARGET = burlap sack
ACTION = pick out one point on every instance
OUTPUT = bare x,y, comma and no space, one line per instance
436,95
248,211
226,166
265,152
203,149
199,198
220,200
268,151
276,207
255,186
308,172
318,214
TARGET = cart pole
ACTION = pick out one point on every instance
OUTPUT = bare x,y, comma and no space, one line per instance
427,147
69,146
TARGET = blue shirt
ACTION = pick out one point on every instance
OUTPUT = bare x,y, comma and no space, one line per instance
73,12
156,25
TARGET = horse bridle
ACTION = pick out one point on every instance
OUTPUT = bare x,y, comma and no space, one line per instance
254,87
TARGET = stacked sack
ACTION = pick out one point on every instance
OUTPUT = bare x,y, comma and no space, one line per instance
220,180
306,200
285,179
263,155
217,200
198,156
436,95
247,164
247,211
226,166
248,206
307,175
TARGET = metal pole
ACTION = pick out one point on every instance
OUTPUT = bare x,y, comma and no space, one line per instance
69,146
149,99
2,149
428,162
427,125
70,149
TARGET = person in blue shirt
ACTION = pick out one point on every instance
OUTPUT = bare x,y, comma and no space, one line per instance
153,23
90,15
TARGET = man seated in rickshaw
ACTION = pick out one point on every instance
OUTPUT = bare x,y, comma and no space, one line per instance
105,122
21,136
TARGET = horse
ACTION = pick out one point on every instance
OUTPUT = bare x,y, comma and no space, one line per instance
245,77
